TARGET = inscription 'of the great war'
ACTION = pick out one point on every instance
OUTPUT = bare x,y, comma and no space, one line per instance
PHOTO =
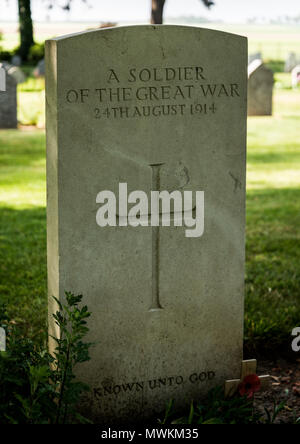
154,92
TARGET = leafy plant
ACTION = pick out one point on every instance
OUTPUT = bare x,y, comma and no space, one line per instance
215,409
272,416
35,386
36,53
70,350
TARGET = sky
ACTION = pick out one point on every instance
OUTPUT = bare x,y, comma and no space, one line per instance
231,11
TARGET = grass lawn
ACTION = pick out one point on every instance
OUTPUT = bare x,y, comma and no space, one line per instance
31,102
273,224
23,229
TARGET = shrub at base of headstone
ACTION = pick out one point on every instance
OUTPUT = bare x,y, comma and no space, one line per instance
39,388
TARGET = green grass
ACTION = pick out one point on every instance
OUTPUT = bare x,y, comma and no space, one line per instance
31,109
273,224
31,102
275,42
23,229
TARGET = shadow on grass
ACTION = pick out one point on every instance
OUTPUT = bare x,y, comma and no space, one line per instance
272,306
281,157
23,268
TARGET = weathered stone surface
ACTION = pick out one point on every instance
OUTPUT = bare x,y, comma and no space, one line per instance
260,89
8,102
118,102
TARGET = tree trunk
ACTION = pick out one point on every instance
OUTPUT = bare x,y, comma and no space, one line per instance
157,12
26,28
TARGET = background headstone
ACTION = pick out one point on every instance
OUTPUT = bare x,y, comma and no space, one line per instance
16,60
260,89
291,61
296,76
8,102
40,69
15,72
120,102
255,56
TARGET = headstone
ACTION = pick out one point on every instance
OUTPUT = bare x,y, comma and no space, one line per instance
291,61
14,72
17,74
255,56
157,108
16,60
40,69
296,76
8,101
260,89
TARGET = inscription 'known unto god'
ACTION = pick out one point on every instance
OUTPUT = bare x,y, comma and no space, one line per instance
116,389
154,92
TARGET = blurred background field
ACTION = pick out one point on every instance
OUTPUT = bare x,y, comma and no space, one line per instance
275,42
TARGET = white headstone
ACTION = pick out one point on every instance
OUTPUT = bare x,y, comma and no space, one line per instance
8,99
260,89
17,74
157,108
296,76
291,61
254,56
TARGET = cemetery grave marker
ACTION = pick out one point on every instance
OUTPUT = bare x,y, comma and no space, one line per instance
8,100
260,89
157,108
